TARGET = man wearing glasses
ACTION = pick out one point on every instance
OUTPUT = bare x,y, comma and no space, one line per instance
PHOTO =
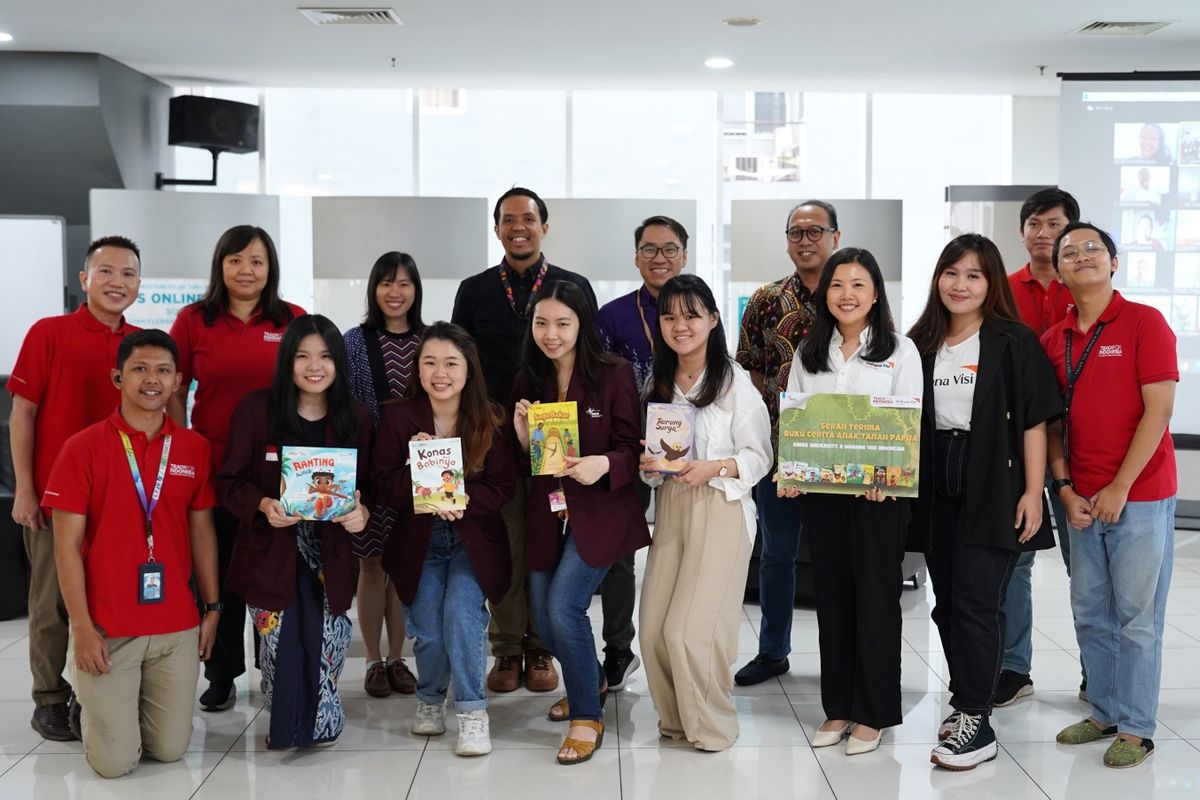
1114,468
627,328
776,319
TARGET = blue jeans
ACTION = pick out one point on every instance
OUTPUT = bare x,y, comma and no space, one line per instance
1018,606
448,624
779,522
560,600
1119,595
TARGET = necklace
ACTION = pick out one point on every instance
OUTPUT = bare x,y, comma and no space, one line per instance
508,290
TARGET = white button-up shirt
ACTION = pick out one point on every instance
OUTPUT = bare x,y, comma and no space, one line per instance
899,375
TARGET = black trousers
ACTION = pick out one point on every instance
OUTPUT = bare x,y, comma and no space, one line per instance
969,584
618,591
228,659
857,547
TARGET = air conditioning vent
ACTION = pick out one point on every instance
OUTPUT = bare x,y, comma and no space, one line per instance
1101,28
336,17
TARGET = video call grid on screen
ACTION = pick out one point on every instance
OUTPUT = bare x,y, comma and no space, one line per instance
1131,156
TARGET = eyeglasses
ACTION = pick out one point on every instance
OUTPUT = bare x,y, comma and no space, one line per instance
814,233
650,251
1070,254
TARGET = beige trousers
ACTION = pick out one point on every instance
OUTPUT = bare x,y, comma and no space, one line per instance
691,606
144,704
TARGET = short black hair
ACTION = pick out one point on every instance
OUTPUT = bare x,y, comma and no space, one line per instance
151,337
821,204
666,222
518,191
112,241
1076,225
387,268
1045,200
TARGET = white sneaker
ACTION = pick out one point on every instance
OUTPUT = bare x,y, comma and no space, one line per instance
474,737
430,719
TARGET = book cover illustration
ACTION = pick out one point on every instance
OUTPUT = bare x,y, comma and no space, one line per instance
437,475
318,482
553,435
670,435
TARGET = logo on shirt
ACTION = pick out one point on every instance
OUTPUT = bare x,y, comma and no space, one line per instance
183,470
1109,351
272,336
965,377
881,364
593,413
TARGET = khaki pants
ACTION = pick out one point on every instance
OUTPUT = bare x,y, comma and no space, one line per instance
511,629
144,704
48,626
691,606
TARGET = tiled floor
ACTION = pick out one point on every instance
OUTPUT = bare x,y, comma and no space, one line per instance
377,757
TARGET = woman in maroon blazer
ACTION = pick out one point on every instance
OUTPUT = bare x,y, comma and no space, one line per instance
297,576
568,552
444,563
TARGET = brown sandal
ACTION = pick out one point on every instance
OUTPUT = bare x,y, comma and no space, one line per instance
561,710
584,750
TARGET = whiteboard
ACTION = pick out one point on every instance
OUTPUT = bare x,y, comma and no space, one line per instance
32,261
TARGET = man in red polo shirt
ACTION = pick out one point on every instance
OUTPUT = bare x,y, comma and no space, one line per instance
59,386
1114,469
1042,301
132,515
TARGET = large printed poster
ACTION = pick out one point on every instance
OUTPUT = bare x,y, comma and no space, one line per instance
844,443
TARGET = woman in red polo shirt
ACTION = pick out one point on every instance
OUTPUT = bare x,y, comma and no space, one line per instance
227,343
297,575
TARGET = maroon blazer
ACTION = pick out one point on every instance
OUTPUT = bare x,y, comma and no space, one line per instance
262,568
481,529
607,519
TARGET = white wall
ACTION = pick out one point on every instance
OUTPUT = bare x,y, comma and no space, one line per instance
1035,143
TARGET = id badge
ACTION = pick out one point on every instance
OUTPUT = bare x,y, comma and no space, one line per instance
150,583
558,501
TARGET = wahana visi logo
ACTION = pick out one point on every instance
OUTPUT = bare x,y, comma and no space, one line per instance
1110,351
182,470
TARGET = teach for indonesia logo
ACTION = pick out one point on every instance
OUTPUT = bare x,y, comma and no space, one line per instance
1109,351
183,470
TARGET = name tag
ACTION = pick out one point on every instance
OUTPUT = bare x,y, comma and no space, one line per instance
558,501
150,583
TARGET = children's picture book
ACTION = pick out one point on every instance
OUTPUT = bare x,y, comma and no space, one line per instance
553,435
437,475
318,482
670,435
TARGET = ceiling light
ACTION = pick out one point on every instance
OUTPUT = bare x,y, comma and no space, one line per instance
718,62
5,37
742,22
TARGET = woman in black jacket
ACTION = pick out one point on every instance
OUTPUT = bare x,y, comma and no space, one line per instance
989,392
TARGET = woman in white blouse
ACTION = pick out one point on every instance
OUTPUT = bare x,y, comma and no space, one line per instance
704,521
857,543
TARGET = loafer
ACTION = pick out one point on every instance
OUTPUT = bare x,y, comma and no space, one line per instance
1123,754
52,722
829,738
1084,732
760,669
855,747
400,677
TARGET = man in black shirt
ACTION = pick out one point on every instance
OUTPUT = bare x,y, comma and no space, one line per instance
494,308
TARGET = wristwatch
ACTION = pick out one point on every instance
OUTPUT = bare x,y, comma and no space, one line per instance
1057,485
724,469
217,607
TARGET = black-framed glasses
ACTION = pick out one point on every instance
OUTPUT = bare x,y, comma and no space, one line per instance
650,251
1069,255
814,233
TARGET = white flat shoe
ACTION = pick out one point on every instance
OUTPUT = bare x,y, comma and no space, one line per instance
829,738
856,747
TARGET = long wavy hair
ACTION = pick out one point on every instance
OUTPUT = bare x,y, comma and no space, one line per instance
814,349
689,295
285,418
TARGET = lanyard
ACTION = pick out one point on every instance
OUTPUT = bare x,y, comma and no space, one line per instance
1073,374
508,290
637,301
147,505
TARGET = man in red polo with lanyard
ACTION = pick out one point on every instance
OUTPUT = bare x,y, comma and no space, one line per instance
60,385
1114,468
132,517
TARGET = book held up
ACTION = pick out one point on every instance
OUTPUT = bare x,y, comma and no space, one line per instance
670,435
318,482
438,483
553,435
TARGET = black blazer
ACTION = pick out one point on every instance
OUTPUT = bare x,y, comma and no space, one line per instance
1016,389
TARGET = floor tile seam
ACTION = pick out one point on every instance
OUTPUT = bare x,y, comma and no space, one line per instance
1021,766
225,755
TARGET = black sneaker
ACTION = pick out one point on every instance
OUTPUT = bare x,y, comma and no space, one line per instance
619,666
971,743
1011,687
51,722
218,696
760,669
1083,691
948,725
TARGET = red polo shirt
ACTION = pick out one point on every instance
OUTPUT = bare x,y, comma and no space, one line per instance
64,368
227,359
1135,348
92,477
1040,308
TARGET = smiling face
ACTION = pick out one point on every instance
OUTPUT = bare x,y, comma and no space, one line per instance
555,328
442,369
148,378
245,272
111,280
851,295
685,330
1083,260
656,270
807,255
963,286
395,296
1149,141
520,229
313,370
1039,232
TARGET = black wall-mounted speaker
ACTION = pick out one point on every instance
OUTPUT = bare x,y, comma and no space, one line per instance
213,124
